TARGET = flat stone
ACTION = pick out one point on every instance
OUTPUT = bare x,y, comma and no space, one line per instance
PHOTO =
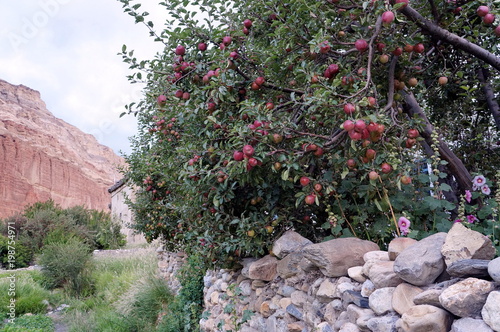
464,243
494,269
263,269
296,327
467,297
380,300
425,318
289,242
397,245
470,324
377,255
421,263
430,297
349,327
491,311
469,268
324,327
335,257
326,291
285,302
402,298
299,298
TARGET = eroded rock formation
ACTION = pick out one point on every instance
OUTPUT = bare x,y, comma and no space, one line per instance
43,157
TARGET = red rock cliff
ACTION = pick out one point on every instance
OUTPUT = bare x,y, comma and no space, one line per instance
43,157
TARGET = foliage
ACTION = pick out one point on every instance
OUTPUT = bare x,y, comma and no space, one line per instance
68,265
184,313
280,89
45,222
32,323
22,255
29,294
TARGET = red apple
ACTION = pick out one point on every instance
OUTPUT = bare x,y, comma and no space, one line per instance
482,10
408,48
443,80
324,47
380,47
238,155
372,101
349,108
161,100
179,93
227,40
373,176
348,125
413,133
331,71
419,48
413,82
370,154
304,181
269,106
387,17
248,150
318,187
488,18
253,162
372,127
310,199
359,126
211,106
361,45
397,51
354,135
233,55
202,47
260,81
247,23
497,31
383,58
386,168
405,179
186,95
180,50
319,152
351,163
410,142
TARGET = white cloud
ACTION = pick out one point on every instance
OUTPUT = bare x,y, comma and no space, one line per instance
67,50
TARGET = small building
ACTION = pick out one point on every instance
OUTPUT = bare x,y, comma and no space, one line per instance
120,211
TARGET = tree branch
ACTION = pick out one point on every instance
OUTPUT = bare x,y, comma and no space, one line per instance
455,165
482,74
457,41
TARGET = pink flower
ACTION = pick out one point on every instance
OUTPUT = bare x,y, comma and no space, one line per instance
471,219
478,182
485,189
468,196
457,220
404,225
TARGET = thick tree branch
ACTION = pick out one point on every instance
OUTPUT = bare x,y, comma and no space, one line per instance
455,165
451,38
483,75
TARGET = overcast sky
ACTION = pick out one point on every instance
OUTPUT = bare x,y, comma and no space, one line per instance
67,50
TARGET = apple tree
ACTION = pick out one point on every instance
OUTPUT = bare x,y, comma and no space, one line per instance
334,118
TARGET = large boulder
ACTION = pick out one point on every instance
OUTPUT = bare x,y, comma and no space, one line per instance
336,256
467,297
491,310
421,263
263,269
425,318
289,242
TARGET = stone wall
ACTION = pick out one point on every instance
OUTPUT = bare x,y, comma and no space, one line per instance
445,282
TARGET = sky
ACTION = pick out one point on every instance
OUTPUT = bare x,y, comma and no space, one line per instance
67,50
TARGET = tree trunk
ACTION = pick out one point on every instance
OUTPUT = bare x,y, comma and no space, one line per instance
483,75
455,165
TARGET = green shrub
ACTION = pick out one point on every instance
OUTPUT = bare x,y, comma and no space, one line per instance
30,296
22,254
67,265
31,323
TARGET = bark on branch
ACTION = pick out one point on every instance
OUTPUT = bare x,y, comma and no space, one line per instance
455,165
451,38
483,75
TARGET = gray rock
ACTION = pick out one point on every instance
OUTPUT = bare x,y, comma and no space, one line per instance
385,323
367,288
289,242
494,269
335,257
381,300
464,243
421,263
491,311
286,290
470,324
289,265
294,311
397,245
355,297
324,327
382,274
467,297
469,268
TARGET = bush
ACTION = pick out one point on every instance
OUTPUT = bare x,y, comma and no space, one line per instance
67,265
30,296
22,254
31,323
